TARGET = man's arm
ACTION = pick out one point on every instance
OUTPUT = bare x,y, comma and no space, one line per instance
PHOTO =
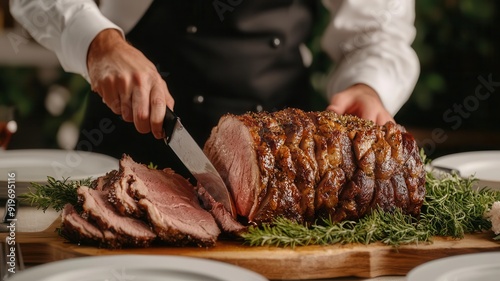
370,41
65,27
89,44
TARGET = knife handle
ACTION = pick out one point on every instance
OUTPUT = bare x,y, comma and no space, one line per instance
169,123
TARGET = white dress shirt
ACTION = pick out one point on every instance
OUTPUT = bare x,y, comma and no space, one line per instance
370,40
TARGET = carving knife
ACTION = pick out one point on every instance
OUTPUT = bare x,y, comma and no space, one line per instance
195,160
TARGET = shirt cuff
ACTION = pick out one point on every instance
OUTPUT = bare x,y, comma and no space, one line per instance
78,35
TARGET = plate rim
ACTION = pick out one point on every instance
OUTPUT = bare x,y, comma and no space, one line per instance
441,266
218,269
461,156
110,161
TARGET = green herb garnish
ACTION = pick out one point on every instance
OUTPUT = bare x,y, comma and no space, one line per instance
389,228
453,207
54,194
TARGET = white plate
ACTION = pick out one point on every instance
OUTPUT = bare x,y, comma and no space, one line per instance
483,165
34,165
469,267
137,267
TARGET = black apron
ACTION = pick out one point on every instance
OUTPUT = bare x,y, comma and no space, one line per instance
217,57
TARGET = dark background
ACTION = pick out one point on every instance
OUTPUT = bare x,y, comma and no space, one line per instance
457,43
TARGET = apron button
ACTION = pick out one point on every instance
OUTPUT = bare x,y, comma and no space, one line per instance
259,108
199,99
192,29
275,42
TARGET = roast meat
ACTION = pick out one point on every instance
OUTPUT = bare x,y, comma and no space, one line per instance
309,165
299,165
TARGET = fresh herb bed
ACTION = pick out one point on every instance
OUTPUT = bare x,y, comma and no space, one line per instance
452,207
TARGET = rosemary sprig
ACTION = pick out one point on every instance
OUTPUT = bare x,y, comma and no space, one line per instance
54,194
389,228
453,207
282,232
394,228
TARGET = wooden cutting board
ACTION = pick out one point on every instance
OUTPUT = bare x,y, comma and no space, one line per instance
304,262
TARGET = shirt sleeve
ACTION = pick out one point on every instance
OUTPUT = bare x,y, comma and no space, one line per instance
65,27
370,42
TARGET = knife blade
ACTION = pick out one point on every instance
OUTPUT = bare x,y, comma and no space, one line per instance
195,160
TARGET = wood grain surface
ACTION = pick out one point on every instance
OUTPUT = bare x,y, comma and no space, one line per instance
304,262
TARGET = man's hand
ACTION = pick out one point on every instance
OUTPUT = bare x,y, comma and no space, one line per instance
128,82
362,101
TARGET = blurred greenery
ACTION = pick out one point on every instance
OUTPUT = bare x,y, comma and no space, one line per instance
457,42
75,108
26,89
20,87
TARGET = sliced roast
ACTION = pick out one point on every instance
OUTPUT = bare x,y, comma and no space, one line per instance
136,206
171,205
80,230
227,223
129,231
